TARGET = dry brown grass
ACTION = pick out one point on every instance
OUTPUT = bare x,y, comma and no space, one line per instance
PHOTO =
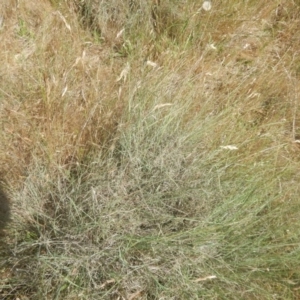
56,85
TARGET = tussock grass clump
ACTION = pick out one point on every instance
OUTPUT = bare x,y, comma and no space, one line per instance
149,150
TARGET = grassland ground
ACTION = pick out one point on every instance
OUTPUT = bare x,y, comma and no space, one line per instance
149,150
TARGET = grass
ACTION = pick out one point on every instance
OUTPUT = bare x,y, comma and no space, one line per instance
149,150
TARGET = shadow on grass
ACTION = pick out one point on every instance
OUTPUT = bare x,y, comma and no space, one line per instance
4,210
